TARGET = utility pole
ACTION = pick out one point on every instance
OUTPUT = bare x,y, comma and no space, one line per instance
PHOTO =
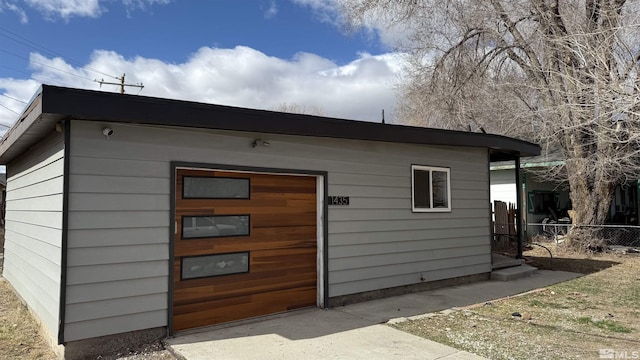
122,84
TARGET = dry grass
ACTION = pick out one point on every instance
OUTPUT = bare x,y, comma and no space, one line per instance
573,319
20,336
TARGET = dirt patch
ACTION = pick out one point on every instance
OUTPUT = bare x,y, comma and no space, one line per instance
583,266
575,319
552,256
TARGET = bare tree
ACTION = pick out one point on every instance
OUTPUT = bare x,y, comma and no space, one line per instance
295,108
562,73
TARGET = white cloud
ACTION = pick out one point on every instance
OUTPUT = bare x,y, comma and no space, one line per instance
272,10
324,6
326,10
240,76
330,11
16,9
17,89
67,9
142,4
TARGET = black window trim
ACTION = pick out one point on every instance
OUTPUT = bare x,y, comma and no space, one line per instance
182,278
248,179
213,237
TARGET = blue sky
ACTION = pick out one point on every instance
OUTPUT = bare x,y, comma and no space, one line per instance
253,53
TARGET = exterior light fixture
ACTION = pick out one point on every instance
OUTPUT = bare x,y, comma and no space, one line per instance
259,142
107,132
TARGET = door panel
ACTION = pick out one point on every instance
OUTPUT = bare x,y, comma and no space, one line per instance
281,215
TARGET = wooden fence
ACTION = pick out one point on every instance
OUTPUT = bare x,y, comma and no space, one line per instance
504,229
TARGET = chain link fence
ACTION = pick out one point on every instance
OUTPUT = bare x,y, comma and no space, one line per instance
606,235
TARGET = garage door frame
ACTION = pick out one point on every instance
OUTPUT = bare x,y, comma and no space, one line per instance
322,223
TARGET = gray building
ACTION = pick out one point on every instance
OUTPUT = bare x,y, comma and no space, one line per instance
146,215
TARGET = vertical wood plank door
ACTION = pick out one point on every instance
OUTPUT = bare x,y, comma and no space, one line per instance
245,246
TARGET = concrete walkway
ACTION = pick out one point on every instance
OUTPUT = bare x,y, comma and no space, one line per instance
351,332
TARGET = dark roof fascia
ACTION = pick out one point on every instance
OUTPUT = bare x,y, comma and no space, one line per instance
25,132
507,165
548,157
61,102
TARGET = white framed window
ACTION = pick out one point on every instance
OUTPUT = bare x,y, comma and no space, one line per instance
430,189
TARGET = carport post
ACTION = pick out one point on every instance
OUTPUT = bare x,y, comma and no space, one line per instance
519,222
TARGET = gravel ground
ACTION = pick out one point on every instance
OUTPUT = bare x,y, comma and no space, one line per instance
155,351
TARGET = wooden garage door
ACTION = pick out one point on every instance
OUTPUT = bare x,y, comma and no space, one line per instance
245,246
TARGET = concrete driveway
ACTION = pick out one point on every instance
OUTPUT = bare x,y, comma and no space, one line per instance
351,332
311,334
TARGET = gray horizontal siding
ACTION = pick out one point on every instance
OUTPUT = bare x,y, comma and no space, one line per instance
128,185
413,277
35,247
42,233
43,274
117,254
441,237
105,326
116,237
46,218
38,291
451,225
120,213
37,166
438,249
462,180
115,306
404,257
40,203
37,189
117,219
118,202
361,203
347,214
123,272
406,267
33,230
86,293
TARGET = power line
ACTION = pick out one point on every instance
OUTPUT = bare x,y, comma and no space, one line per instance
15,70
122,84
13,111
43,64
12,98
34,45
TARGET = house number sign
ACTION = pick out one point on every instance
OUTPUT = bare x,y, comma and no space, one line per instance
339,200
